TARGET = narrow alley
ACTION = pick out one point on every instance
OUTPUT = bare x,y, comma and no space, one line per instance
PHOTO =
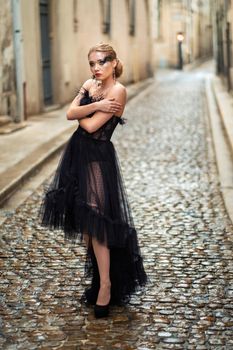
168,164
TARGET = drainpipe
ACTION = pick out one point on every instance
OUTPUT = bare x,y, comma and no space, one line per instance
19,60
228,56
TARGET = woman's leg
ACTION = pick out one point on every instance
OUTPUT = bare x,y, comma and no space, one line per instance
96,199
102,254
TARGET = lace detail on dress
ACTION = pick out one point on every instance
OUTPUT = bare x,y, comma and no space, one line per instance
105,132
122,120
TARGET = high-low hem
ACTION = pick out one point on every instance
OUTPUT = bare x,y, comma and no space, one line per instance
87,195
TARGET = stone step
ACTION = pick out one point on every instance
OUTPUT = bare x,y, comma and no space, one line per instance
4,119
11,127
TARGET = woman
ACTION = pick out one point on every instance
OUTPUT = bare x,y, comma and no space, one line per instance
87,197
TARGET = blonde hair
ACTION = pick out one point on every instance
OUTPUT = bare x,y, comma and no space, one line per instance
102,47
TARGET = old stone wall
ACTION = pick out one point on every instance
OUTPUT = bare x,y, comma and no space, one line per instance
7,66
74,27
193,19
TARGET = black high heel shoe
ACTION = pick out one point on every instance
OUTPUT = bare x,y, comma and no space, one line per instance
101,310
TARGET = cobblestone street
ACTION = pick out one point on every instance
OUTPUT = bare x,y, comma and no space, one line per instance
168,164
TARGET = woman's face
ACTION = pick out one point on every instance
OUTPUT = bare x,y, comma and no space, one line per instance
101,65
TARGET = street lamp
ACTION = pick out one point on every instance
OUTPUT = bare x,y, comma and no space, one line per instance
180,38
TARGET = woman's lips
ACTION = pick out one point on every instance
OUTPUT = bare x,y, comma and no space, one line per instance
97,74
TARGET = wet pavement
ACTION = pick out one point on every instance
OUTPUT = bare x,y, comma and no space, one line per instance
168,164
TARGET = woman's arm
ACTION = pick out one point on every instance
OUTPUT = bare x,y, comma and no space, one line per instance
77,112
100,118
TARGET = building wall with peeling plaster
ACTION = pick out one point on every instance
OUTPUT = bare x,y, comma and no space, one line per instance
7,64
74,27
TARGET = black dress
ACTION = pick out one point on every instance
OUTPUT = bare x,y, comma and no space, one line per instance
87,195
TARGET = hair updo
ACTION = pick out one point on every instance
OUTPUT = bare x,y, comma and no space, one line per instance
101,47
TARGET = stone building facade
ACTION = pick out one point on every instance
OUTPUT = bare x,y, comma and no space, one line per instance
192,18
48,40
7,62
223,36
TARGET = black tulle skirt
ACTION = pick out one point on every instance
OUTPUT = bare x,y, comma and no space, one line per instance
87,195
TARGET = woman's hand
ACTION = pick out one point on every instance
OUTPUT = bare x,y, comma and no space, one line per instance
106,108
109,105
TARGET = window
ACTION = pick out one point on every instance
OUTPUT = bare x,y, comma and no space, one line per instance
75,14
159,20
106,12
132,17
130,4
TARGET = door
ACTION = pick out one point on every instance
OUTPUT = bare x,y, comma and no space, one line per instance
45,52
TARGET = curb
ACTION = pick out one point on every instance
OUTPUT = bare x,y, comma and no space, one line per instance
15,176
223,150
195,64
225,107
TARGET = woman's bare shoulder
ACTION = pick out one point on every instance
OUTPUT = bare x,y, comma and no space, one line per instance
120,87
118,90
87,84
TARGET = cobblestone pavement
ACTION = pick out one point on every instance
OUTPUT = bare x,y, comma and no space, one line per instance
185,235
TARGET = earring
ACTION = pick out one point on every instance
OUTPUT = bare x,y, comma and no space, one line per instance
114,74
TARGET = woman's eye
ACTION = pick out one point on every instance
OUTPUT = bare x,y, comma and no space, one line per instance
101,62
91,64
